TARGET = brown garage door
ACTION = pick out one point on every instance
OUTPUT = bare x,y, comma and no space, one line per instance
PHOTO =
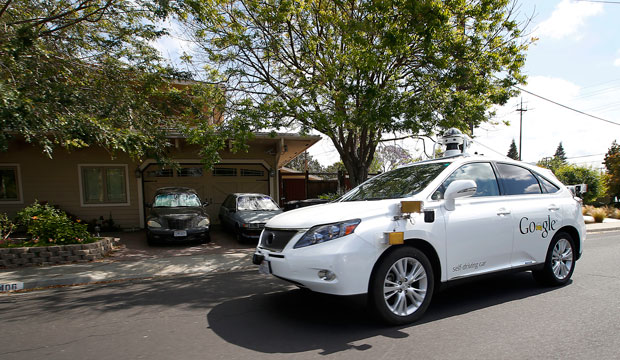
211,185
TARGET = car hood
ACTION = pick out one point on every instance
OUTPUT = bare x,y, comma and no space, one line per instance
307,217
178,211
257,216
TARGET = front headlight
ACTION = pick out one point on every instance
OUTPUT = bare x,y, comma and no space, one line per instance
327,232
153,224
204,223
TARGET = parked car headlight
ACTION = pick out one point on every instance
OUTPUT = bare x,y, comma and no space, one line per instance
204,223
322,233
153,224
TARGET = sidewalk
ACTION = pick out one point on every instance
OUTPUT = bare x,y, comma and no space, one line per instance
114,270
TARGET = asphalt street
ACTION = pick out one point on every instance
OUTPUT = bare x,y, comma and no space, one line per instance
244,315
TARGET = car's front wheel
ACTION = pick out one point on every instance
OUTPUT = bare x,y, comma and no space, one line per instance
402,286
560,261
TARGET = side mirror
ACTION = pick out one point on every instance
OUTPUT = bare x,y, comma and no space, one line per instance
148,205
458,189
205,204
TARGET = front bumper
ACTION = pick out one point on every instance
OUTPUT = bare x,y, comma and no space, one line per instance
168,235
250,233
350,259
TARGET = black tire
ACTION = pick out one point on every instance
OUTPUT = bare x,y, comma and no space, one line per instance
559,263
150,241
238,235
386,308
205,239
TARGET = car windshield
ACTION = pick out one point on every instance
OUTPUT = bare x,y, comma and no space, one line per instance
176,200
256,203
395,184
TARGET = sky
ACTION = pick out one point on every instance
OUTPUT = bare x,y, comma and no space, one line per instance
575,62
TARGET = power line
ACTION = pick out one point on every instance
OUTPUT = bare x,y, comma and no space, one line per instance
567,107
600,1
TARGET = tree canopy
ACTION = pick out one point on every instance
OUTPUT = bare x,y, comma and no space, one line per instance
79,73
354,70
612,163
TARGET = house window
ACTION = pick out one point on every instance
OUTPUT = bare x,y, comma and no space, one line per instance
159,173
104,184
190,172
224,171
9,183
251,172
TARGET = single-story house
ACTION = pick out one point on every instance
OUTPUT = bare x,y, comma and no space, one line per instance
90,184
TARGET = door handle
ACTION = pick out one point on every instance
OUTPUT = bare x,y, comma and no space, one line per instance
553,207
503,212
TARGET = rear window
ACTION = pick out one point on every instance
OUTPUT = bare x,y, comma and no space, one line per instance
518,180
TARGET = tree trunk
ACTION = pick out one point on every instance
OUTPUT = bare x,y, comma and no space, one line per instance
357,150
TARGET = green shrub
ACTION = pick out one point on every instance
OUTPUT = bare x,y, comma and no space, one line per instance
6,228
49,226
330,196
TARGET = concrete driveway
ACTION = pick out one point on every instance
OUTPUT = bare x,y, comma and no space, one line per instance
134,246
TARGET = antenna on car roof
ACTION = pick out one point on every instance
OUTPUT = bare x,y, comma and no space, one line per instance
455,141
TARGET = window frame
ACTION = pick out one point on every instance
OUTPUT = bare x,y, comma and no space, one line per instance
83,203
18,180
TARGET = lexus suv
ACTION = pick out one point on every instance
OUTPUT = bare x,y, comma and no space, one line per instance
402,234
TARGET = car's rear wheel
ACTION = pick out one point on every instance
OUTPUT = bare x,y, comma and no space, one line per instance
402,286
560,261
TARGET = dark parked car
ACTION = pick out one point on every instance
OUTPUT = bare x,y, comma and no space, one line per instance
177,214
246,214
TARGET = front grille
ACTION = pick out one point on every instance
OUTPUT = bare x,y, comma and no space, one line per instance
276,240
179,224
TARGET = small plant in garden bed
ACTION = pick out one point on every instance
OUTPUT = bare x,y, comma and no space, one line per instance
598,215
46,226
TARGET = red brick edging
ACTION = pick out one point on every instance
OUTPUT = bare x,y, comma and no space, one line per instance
57,254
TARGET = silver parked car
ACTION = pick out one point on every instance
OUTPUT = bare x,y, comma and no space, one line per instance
246,214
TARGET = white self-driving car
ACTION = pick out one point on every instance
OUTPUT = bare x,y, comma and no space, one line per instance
401,234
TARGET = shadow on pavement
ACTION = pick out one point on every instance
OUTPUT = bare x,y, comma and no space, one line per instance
297,321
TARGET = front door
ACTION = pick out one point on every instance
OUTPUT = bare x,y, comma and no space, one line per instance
478,231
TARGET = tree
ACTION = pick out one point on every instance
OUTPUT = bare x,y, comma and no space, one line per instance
513,153
299,163
551,163
560,155
612,163
80,73
390,157
573,175
355,70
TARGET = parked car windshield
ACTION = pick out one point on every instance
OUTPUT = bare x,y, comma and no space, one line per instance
395,184
176,200
255,203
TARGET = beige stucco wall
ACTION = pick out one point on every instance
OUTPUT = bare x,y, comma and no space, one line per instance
56,181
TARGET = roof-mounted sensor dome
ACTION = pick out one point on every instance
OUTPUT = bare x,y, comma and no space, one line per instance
455,142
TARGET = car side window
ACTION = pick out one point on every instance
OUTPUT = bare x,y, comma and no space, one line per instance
229,203
518,180
481,173
548,186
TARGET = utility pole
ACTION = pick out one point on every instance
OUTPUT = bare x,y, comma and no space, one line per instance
521,110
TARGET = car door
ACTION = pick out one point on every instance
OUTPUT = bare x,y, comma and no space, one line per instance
536,212
478,230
